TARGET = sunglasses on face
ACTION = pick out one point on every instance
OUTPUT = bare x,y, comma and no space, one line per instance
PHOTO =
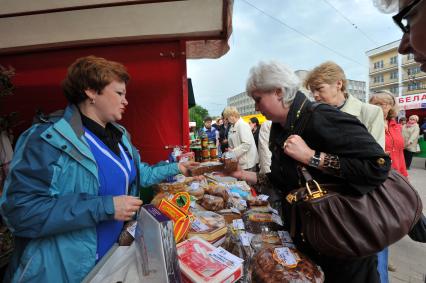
400,19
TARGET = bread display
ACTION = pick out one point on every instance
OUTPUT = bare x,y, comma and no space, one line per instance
212,203
217,190
256,222
268,268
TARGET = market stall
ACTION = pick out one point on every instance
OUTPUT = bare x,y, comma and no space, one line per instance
153,39
415,104
215,229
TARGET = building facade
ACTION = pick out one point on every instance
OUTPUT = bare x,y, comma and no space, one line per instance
357,89
394,72
243,103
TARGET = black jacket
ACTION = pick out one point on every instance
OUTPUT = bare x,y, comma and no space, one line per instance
362,169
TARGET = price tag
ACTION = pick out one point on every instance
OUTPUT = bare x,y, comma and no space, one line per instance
132,229
235,210
199,226
245,238
262,197
243,202
285,237
180,178
286,257
225,257
238,224
195,186
277,219
234,194
273,210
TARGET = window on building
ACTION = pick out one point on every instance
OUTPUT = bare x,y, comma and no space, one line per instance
414,86
394,90
394,60
378,79
378,65
394,75
413,70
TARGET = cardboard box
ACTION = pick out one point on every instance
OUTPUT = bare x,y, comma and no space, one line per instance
156,247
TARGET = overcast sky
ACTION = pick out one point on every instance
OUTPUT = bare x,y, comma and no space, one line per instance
339,30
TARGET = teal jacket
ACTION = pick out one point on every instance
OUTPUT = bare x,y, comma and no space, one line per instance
51,204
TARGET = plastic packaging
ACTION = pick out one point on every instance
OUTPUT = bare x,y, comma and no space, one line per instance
212,203
281,264
230,161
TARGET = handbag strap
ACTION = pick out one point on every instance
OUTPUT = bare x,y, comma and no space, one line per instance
298,130
301,168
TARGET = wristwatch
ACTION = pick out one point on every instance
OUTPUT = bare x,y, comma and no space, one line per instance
315,160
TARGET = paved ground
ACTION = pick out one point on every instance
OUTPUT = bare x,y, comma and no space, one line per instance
408,256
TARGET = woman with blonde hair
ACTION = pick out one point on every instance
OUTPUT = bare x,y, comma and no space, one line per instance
410,132
328,84
241,140
394,141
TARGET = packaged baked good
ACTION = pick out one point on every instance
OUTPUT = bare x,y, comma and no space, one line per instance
200,261
255,221
229,214
159,196
196,189
127,235
230,161
171,187
266,238
283,264
257,202
207,225
237,204
207,167
217,190
213,203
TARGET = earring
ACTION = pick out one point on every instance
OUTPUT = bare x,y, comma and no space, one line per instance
92,101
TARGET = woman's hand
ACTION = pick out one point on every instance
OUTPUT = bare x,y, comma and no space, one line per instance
125,207
186,167
296,148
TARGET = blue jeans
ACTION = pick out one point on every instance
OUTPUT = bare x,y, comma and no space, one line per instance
382,265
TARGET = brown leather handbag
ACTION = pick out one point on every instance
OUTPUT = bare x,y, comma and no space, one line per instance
353,226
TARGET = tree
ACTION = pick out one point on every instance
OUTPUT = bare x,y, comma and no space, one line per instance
197,114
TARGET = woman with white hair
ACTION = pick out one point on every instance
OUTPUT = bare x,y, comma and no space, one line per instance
334,146
411,133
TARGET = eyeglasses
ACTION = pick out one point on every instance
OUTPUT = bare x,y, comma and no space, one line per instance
400,19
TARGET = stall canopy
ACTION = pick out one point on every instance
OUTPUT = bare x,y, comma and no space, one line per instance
153,39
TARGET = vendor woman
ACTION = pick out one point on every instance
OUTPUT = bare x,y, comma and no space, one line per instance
75,178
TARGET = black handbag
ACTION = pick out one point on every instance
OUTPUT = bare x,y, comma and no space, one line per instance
353,226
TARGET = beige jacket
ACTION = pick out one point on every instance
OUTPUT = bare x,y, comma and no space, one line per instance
263,147
411,137
241,140
370,115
